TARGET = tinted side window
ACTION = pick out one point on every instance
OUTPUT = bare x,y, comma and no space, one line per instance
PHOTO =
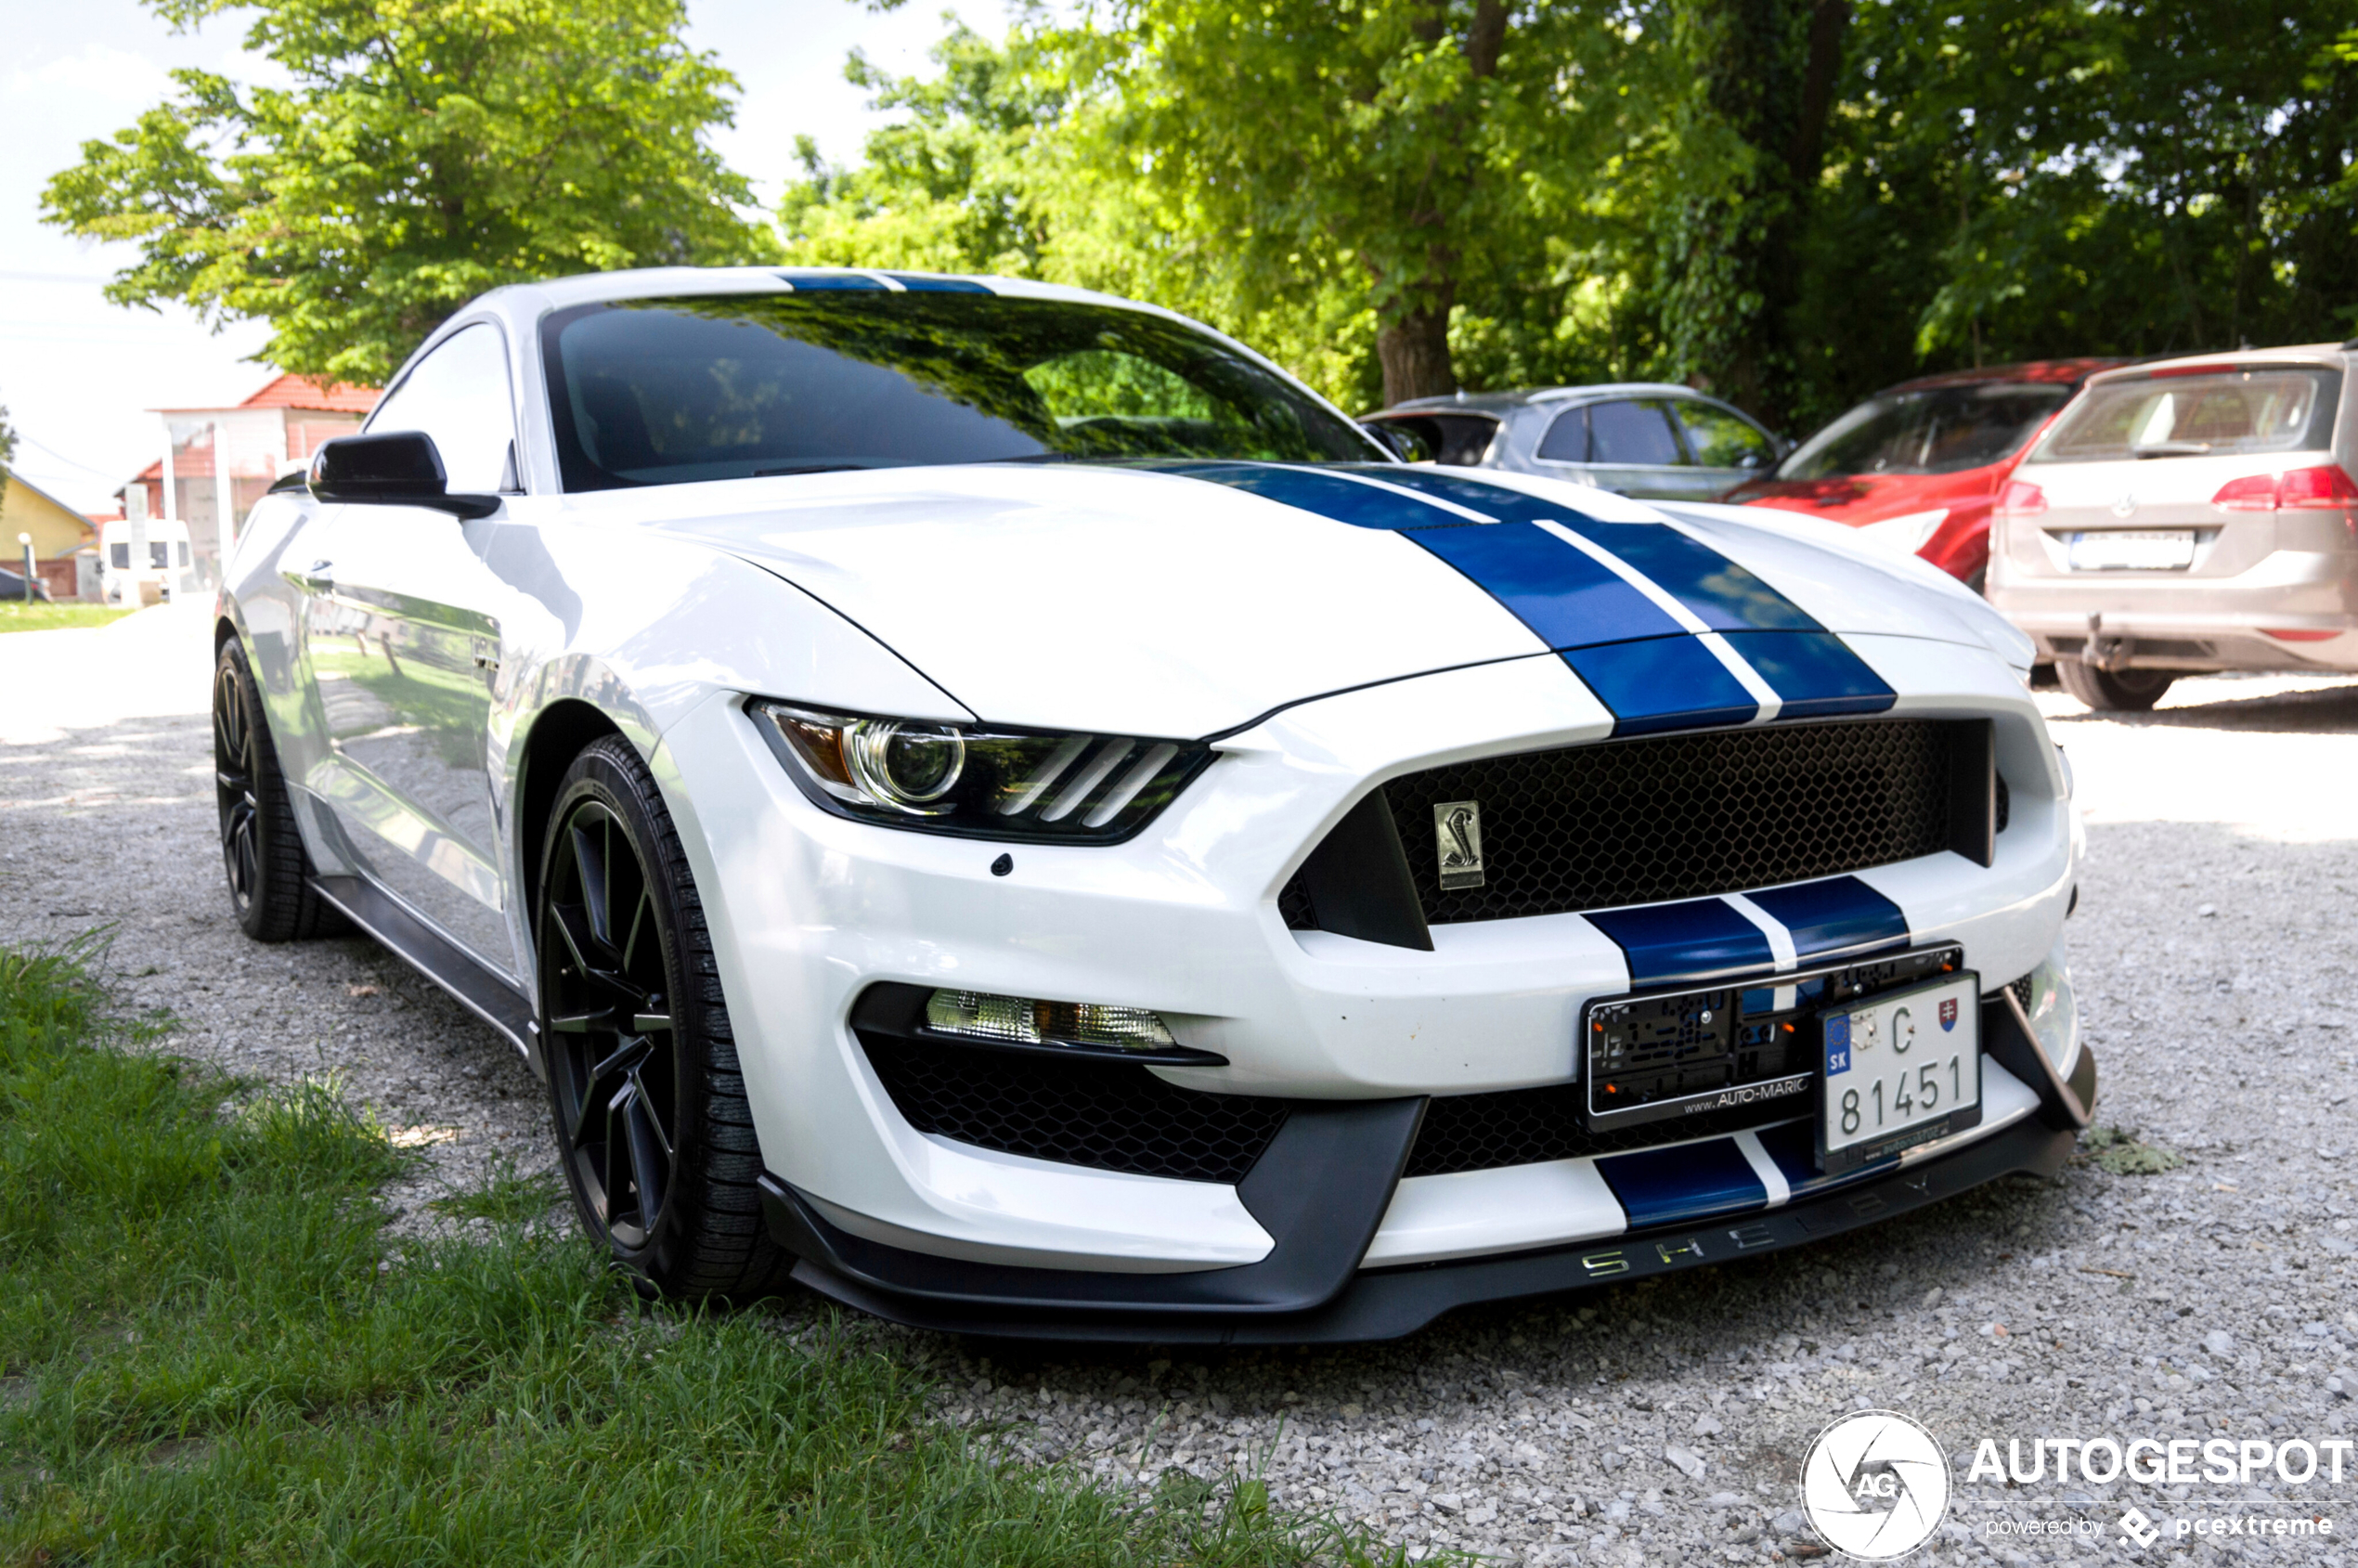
1721,440
1567,439
458,396
119,557
1633,433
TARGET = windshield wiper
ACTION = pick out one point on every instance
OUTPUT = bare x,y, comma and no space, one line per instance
2172,449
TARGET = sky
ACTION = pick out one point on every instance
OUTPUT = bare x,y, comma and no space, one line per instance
79,377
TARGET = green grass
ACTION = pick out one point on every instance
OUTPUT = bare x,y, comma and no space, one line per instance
18,615
2123,1154
208,1354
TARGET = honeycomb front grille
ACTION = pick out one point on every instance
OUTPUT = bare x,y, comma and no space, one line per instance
1680,816
1528,1126
1108,1116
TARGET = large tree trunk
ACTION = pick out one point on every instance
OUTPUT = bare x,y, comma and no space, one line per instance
1414,353
1765,72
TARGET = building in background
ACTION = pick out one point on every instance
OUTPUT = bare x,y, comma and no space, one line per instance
59,534
218,462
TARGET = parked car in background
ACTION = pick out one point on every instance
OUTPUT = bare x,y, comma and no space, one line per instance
12,588
2195,514
1636,438
134,571
1917,466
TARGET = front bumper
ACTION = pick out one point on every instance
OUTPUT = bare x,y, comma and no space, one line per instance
1324,1195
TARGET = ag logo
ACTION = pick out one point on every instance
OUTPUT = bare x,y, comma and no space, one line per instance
1875,1485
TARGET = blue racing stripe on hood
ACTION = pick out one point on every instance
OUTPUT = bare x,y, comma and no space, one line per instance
1663,684
1840,913
1815,672
1662,1186
1699,939
1567,599
1642,662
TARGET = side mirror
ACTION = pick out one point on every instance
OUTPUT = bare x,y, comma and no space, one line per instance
398,467
1400,441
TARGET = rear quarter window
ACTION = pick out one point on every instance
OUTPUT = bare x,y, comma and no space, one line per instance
2270,408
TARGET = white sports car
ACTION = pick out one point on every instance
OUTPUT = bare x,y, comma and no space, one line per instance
1001,805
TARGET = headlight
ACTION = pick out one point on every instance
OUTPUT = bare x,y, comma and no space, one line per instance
977,783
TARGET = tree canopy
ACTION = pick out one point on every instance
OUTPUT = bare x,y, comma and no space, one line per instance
1791,203
427,150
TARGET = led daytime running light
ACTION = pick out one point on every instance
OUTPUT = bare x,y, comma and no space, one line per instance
1021,1021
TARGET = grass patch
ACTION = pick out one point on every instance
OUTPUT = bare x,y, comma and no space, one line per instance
2124,1155
506,1197
18,615
210,1356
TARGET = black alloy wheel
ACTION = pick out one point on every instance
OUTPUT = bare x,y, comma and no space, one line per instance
262,849
651,1124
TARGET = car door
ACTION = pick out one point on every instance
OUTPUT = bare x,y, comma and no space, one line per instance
1727,448
402,642
1628,444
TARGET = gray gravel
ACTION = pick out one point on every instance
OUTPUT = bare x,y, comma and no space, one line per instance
1657,1423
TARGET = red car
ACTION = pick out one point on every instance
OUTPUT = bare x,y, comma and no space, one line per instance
1919,464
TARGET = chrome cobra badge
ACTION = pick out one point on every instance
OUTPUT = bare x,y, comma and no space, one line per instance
1457,834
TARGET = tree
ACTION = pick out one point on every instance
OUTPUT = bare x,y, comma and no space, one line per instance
7,450
1389,149
427,150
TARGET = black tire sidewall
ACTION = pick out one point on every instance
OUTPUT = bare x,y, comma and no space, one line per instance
601,775
273,913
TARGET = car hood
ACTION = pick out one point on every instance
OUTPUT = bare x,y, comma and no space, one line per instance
1187,599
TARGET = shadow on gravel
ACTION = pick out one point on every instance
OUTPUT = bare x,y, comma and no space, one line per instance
2331,711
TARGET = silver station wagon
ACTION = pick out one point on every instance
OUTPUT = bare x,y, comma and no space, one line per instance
2188,515
1647,439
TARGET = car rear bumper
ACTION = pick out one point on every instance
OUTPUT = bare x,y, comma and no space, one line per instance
1324,1195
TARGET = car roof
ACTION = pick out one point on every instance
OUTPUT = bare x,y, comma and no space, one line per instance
1520,397
2235,358
2054,372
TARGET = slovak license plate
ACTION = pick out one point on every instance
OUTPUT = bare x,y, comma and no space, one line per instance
1901,1068
2139,550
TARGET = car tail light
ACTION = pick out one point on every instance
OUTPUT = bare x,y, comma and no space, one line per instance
2255,492
2291,636
2022,499
2325,487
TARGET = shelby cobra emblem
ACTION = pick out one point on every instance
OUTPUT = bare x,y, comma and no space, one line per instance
1456,832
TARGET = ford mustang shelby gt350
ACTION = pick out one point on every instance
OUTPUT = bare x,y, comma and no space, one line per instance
997,803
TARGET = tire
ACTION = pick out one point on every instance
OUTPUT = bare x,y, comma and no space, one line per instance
651,1125
261,850
2113,690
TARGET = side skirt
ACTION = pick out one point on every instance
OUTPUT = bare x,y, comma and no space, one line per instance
408,937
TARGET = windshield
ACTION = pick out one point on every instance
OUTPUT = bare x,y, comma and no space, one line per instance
2191,416
669,391
1940,430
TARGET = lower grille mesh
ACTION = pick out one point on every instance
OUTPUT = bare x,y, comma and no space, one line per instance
1105,1115
1526,1126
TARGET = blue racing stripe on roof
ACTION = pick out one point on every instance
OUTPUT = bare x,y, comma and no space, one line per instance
1662,1186
916,284
1840,913
1567,599
1815,672
1662,684
834,283
1699,939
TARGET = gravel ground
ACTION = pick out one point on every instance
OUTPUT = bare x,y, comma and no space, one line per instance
1657,1423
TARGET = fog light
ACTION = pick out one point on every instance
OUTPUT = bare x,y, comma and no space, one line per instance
1023,1022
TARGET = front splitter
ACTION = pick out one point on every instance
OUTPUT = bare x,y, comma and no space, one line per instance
1387,1304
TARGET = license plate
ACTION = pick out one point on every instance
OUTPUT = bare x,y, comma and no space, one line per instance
1900,1068
2134,549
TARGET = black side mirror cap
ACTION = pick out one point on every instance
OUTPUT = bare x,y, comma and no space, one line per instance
397,468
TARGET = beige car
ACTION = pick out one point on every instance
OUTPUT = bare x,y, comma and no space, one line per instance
2185,515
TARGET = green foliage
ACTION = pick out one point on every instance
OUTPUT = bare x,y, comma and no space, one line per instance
2124,1154
427,150
207,1354
18,615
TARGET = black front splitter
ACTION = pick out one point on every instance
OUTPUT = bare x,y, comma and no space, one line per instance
1377,1303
